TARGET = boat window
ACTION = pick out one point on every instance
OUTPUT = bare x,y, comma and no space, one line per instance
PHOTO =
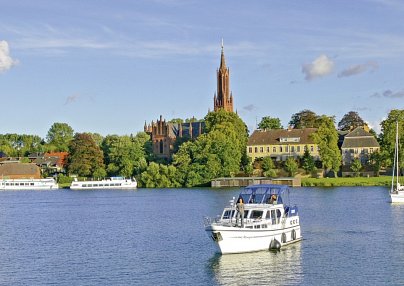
273,216
228,214
268,215
256,214
278,213
31,184
257,226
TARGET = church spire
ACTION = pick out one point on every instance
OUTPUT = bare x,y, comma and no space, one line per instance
222,60
223,98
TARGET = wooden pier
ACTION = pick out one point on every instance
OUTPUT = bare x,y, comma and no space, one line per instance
246,181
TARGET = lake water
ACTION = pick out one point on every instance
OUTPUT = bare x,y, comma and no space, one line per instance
352,236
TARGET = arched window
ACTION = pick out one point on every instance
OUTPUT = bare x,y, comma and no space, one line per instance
161,147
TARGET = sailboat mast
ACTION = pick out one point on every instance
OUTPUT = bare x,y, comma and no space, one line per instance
397,163
394,160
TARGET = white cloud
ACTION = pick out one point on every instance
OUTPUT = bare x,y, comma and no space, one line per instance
6,62
321,66
357,69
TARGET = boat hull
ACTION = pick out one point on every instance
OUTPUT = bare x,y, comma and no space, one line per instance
28,184
397,197
239,240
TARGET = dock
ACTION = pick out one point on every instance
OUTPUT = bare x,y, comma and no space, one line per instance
246,181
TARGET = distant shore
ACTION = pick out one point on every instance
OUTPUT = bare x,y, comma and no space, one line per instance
347,182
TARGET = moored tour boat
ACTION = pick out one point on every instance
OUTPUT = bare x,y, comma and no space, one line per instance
110,183
268,222
397,189
28,184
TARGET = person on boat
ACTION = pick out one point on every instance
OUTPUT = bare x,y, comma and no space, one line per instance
240,211
273,199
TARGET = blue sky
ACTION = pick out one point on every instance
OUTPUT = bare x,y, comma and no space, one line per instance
107,66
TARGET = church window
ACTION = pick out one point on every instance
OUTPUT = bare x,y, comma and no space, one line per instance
161,146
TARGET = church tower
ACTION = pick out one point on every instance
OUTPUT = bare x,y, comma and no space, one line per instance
223,97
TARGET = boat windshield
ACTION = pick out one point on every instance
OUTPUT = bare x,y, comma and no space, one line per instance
261,194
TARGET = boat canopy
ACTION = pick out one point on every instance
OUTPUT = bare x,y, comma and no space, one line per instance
261,194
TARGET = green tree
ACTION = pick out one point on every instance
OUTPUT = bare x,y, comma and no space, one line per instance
268,122
268,167
350,121
229,123
308,163
85,157
356,167
326,137
59,136
376,160
388,135
124,155
291,166
304,119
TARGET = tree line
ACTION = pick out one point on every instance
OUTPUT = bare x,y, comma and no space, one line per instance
219,152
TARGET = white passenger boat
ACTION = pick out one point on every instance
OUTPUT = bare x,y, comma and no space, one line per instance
269,222
110,183
28,184
397,189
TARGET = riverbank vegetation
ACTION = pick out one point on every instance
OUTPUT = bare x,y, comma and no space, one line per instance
219,152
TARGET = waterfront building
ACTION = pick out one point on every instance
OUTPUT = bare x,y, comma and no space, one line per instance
281,144
358,144
165,134
19,171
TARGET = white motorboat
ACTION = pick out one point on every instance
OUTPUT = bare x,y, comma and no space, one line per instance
397,190
28,184
268,222
110,183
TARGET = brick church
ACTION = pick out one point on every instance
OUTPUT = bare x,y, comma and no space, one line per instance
164,134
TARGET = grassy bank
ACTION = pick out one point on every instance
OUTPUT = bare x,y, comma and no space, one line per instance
341,182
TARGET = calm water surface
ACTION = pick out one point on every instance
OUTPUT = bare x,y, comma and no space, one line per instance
352,236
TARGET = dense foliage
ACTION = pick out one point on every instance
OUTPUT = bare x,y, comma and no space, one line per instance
85,158
326,137
59,137
350,121
269,122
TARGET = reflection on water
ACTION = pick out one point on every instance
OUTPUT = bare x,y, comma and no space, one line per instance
282,267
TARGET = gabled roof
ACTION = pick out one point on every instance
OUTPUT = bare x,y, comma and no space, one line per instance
272,137
359,138
27,169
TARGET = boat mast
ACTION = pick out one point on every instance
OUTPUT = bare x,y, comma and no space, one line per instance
397,163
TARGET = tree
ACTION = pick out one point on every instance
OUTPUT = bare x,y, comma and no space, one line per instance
85,157
59,136
356,167
308,161
376,160
124,155
291,166
304,119
350,121
268,167
268,122
326,137
388,135
227,122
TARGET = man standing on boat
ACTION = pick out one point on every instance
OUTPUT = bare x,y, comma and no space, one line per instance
240,211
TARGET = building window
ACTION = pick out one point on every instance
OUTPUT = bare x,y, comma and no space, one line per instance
371,150
312,148
249,149
292,149
274,149
286,148
356,151
268,149
261,149
256,149
161,146
280,149
298,149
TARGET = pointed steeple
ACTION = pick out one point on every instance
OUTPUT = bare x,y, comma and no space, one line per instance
223,98
222,60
